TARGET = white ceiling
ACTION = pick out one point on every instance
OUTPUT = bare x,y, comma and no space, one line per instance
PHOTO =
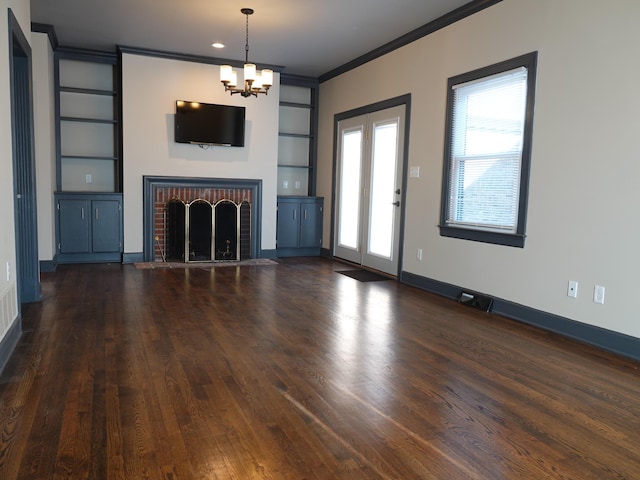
307,37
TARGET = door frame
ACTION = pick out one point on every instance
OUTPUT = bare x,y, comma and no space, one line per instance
365,110
24,167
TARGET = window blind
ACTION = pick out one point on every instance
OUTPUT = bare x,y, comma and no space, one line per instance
486,151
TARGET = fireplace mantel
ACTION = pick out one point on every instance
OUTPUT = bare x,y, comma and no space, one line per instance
152,183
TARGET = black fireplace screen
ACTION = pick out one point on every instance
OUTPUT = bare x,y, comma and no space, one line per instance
202,232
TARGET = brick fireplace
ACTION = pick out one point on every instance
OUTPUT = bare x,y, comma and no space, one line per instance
223,194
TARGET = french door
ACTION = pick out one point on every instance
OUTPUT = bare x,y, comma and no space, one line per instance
369,182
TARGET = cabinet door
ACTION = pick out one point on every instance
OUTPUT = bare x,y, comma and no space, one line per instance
73,226
105,226
288,224
310,226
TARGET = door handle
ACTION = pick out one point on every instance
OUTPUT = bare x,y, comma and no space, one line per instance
396,203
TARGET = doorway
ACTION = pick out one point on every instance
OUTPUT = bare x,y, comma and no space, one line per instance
24,175
370,185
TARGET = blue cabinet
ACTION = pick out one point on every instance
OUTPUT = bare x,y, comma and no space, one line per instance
89,227
299,229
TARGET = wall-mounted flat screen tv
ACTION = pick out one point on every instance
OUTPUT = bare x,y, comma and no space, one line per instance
209,124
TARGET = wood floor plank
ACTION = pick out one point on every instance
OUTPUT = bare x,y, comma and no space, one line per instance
293,371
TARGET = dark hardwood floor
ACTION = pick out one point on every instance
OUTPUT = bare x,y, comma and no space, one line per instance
294,371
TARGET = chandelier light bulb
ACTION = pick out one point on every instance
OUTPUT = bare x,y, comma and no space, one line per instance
267,77
249,72
226,72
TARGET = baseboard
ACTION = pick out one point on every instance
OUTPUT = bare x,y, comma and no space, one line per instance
107,257
298,252
48,266
9,342
433,286
133,257
268,254
609,340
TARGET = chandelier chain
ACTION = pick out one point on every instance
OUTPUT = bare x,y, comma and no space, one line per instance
246,44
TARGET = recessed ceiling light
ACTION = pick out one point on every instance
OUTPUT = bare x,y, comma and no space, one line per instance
217,45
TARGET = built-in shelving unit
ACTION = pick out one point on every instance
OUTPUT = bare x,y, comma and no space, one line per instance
89,172
297,136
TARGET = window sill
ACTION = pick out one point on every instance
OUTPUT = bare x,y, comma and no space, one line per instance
496,238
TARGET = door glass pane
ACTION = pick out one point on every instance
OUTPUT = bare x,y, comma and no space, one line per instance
383,186
350,188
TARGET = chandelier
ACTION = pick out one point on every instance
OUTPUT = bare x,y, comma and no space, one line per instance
254,82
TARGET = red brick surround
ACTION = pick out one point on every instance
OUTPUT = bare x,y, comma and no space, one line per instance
162,195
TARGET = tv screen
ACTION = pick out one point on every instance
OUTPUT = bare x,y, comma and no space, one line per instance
209,124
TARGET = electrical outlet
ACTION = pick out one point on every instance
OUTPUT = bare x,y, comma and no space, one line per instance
87,178
598,294
414,172
8,272
572,289
419,254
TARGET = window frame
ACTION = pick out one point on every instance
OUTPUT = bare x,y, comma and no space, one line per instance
517,238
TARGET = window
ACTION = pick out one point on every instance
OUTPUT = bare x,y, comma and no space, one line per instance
487,152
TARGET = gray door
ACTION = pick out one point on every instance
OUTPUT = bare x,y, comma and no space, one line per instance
73,226
369,183
105,225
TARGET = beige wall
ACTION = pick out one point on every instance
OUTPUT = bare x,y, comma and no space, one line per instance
8,292
150,88
45,141
582,223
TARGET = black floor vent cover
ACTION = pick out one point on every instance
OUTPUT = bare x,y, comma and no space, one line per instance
475,300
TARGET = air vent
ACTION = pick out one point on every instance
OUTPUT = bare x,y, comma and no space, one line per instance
475,300
8,309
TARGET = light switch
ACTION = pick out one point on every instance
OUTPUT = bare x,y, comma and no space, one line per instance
598,294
